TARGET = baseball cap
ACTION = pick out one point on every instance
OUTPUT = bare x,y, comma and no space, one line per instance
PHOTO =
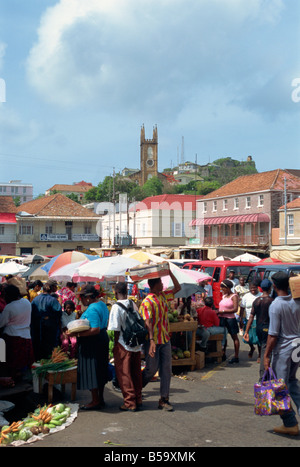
266,284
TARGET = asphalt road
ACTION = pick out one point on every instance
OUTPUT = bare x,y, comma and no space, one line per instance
213,408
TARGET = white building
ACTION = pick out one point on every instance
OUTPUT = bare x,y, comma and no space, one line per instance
15,189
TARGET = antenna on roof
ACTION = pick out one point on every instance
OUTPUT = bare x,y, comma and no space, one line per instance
182,150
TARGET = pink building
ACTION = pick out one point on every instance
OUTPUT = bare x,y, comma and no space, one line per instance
242,213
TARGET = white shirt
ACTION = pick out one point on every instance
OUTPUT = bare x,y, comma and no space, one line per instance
117,317
66,319
209,290
16,318
247,302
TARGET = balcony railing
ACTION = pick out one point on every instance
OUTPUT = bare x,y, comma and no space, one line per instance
241,240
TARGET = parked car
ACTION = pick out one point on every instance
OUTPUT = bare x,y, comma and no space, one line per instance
266,271
6,258
219,270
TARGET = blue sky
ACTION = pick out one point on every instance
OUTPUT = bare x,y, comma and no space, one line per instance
82,77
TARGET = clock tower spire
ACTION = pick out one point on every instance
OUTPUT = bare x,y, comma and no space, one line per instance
149,159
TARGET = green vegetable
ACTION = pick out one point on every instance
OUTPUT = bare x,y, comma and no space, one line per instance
24,434
49,425
8,439
59,407
56,422
5,427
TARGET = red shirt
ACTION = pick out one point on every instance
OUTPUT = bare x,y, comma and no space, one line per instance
207,317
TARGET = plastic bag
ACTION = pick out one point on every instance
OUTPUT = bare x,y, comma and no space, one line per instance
271,395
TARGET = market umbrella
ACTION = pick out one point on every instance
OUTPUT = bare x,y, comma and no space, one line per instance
189,281
12,268
223,258
66,258
247,257
108,268
144,257
38,273
270,260
66,273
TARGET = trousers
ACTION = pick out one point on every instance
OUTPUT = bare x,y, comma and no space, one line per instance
162,362
129,375
285,365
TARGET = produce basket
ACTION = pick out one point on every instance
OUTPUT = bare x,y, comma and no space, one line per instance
78,325
149,271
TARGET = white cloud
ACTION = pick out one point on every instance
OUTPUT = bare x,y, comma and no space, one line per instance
135,55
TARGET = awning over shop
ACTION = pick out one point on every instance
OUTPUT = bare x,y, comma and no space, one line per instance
242,219
7,218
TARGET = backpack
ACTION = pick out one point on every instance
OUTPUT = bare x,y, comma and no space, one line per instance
135,331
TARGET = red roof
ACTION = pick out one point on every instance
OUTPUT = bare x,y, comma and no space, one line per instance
167,202
272,180
242,219
295,204
7,218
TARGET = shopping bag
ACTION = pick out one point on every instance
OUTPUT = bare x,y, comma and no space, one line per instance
271,395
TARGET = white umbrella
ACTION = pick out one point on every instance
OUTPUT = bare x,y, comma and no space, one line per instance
13,268
112,268
247,257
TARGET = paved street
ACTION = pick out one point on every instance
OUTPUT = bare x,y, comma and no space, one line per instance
213,408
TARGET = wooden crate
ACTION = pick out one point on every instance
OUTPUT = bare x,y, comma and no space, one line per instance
217,352
200,360
181,326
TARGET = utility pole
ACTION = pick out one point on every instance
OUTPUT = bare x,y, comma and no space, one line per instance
114,209
285,213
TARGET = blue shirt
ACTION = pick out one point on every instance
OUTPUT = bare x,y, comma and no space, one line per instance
284,315
97,313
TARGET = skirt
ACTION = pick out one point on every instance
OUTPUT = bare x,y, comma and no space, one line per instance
253,339
93,358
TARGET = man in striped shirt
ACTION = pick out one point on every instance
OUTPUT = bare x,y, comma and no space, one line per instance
154,309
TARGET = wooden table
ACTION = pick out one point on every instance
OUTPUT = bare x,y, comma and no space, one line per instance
62,378
184,326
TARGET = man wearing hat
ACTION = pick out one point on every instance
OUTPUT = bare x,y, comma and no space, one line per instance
283,346
260,312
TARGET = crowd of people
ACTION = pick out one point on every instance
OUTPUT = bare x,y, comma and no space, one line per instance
33,325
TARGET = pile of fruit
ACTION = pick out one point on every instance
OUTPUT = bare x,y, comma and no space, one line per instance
175,317
40,421
178,354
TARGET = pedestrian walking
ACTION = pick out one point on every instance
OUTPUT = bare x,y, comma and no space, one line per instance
228,307
241,289
127,360
245,311
260,313
154,309
281,350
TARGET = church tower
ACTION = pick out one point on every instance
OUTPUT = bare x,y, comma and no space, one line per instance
149,159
